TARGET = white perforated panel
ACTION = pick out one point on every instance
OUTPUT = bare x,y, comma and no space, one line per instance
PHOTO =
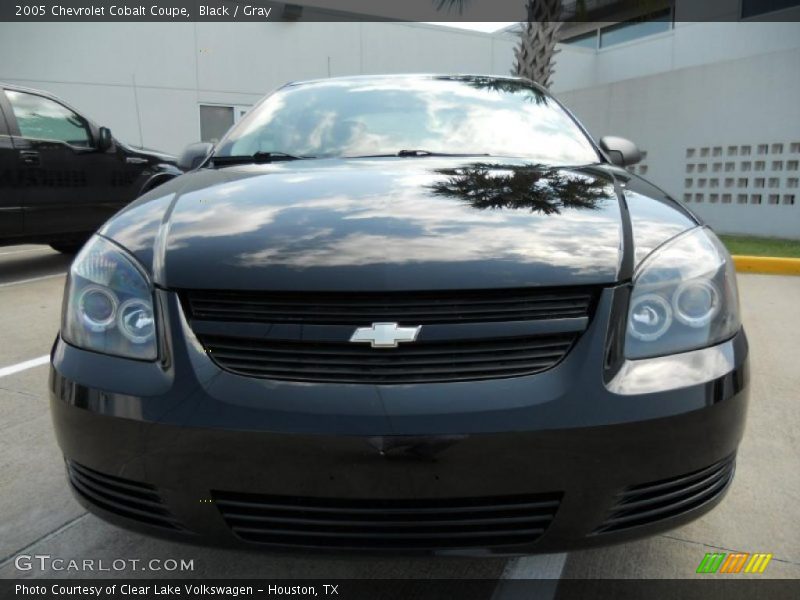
757,174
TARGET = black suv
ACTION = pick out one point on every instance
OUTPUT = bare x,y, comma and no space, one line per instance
62,176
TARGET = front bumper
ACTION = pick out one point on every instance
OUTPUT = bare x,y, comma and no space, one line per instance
545,463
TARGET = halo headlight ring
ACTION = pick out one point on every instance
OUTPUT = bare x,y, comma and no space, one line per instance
127,311
706,288
94,322
658,310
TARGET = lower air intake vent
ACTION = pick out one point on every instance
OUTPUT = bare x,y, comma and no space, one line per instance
652,502
123,497
388,524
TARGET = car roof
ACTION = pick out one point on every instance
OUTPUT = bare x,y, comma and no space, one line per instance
358,78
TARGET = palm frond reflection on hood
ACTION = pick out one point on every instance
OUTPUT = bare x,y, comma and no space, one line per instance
505,86
536,188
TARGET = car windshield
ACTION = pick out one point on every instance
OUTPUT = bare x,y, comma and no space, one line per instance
384,116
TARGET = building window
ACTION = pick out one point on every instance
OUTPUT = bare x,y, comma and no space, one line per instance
585,40
752,8
657,22
216,119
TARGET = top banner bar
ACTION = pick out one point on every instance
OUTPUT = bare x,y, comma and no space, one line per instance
400,10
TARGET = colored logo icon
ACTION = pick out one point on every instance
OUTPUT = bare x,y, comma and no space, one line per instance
736,562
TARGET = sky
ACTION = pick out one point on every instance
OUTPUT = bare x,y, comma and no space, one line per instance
486,27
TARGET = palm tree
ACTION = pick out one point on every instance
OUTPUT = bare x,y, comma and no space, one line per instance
536,49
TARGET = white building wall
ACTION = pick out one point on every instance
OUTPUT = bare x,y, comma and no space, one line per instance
686,45
701,85
703,88
146,80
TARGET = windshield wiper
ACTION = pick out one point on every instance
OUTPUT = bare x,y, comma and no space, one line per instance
257,158
417,153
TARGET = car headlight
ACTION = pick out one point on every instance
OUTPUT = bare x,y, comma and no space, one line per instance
684,297
109,303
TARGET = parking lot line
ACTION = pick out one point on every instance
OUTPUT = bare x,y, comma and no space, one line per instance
538,566
7,252
23,366
32,279
541,567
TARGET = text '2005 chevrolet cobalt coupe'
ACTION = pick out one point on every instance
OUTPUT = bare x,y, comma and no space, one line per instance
403,314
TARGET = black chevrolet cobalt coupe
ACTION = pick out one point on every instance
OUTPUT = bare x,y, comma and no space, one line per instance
416,314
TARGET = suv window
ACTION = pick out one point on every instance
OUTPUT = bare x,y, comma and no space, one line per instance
40,118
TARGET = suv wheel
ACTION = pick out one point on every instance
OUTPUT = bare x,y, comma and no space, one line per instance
67,247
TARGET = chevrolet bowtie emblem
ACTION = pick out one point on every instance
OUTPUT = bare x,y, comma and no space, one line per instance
385,335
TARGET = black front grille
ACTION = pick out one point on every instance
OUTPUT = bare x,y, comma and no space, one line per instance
652,502
388,524
130,499
462,360
305,336
416,308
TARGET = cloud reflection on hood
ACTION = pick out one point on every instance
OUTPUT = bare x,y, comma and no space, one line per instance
415,226
419,223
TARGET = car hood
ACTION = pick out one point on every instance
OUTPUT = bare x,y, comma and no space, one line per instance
378,224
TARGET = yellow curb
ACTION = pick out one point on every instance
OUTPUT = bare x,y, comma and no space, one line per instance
767,264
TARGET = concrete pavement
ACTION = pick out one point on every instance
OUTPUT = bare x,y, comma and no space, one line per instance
760,514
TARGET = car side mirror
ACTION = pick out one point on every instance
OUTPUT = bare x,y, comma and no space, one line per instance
104,139
193,155
620,151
